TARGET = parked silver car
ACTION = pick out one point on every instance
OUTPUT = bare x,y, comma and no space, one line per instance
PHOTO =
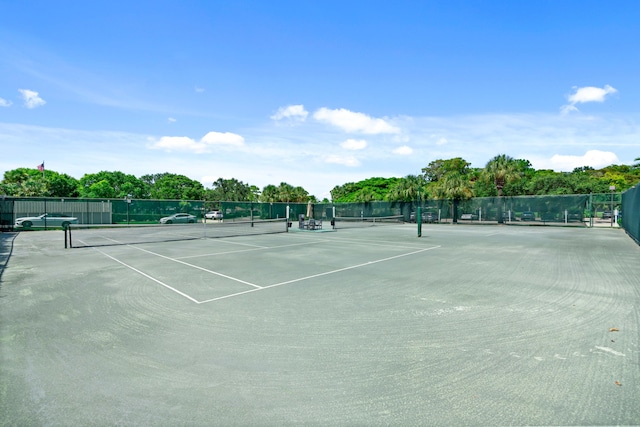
178,219
213,215
45,220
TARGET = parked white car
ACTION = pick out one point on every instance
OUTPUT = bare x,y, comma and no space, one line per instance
45,220
179,218
213,215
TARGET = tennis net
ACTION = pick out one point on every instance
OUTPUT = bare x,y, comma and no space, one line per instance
82,235
363,221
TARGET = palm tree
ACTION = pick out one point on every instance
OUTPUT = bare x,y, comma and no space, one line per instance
637,164
269,194
285,192
300,195
502,169
408,189
365,195
454,186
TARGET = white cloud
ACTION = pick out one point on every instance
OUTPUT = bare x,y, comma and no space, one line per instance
205,145
591,94
350,121
403,151
354,144
171,120
292,112
179,143
566,109
442,141
223,138
5,103
595,158
297,154
587,94
343,160
199,89
31,98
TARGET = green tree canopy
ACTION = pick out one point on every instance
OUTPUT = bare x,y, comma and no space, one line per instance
231,190
177,187
437,169
285,193
367,190
26,182
409,188
501,175
502,170
121,184
453,186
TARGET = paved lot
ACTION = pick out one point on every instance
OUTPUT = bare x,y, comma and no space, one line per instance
468,325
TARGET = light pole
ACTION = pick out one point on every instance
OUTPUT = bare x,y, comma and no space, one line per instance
612,188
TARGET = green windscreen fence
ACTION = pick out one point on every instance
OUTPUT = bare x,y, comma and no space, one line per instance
136,211
564,209
6,214
243,211
548,209
631,212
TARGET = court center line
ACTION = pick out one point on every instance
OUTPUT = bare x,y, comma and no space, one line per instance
199,268
148,277
229,242
369,243
326,273
239,251
260,248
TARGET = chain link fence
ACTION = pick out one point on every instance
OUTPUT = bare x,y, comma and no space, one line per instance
583,210
631,212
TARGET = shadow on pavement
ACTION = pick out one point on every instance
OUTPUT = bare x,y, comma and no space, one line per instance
6,249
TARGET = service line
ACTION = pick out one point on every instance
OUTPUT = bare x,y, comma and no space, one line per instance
148,277
364,264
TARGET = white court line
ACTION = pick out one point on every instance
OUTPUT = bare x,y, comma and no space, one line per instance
230,242
255,287
326,273
199,268
149,277
369,242
259,248
239,251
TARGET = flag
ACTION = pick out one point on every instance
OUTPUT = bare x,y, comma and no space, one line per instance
41,167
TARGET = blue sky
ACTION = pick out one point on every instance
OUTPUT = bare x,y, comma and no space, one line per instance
316,93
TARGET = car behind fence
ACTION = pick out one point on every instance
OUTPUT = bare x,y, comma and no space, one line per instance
585,210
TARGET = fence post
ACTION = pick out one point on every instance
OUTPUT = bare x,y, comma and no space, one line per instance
591,210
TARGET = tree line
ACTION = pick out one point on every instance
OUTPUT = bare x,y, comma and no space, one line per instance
27,182
455,179
440,179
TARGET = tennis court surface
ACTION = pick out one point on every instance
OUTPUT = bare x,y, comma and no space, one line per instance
467,325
